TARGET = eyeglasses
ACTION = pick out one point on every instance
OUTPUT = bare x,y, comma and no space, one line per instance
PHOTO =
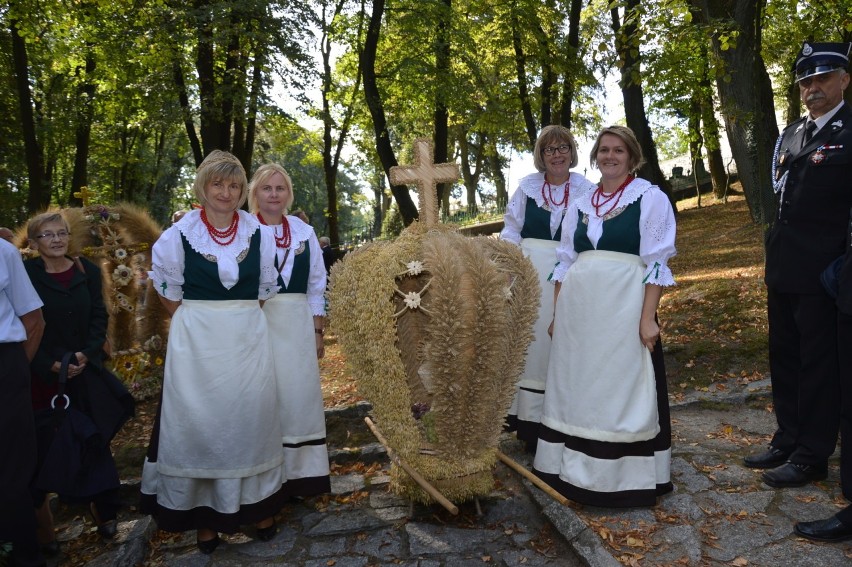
61,235
562,149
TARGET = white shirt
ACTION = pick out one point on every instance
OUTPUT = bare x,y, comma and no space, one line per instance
300,232
17,295
167,257
531,186
824,119
657,231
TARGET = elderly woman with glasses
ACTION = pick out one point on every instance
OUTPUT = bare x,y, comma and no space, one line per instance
75,321
533,221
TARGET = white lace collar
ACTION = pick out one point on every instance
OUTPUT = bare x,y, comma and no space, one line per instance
632,192
300,231
531,186
191,227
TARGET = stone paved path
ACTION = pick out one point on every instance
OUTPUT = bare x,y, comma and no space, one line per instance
720,513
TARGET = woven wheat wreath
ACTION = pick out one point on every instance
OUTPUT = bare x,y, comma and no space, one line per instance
435,327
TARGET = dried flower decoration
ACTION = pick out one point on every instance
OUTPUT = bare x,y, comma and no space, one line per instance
122,275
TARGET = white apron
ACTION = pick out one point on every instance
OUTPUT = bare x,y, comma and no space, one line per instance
528,405
219,440
600,382
302,415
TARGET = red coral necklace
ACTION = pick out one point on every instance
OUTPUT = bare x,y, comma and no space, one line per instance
221,237
601,199
282,241
552,202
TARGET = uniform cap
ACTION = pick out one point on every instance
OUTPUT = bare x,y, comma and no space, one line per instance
820,58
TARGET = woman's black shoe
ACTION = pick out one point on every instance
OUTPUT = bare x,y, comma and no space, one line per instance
208,546
107,529
267,533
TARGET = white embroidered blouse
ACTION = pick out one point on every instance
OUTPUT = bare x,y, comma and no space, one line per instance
531,186
657,230
301,232
167,256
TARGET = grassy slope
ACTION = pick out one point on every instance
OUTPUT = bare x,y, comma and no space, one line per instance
714,320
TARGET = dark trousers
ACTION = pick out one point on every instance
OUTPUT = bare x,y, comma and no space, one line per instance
17,456
844,336
805,376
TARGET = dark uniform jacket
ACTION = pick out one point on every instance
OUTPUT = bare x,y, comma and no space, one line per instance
809,230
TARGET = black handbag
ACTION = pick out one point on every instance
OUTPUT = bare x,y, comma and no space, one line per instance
74,459
103,398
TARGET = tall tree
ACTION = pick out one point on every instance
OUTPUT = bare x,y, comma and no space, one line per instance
745,94
332,150
377,111
627,40
39,181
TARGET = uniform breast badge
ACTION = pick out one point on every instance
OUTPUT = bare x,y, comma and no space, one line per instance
819,155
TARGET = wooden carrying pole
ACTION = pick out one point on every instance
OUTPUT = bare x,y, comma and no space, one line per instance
431,490
532,478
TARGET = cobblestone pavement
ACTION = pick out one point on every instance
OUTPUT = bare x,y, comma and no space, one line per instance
720,513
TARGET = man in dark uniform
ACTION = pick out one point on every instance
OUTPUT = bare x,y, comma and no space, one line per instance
812,170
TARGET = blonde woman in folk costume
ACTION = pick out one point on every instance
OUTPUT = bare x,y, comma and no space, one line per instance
605,435
215,461
296,324
533,220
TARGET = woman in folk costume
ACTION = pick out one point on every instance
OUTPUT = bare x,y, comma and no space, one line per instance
215,460
296,319
605,435
533,220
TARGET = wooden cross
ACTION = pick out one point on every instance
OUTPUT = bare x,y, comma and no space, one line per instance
426,174
83,195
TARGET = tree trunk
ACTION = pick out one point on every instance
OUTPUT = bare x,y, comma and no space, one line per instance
718,173
573,63
523,89
470,176
745,94
695,143
496,167
329,166
39,187
204,67
442,77
634,104
83,133
407,209
186,111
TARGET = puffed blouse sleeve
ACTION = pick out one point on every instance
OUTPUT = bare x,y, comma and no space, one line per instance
657,229
317,278
513,219
565,253
268,286
167,264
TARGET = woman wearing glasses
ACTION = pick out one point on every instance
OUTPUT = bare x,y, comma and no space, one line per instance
533,221
75,321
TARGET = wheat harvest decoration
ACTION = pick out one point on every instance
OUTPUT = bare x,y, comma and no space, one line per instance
435,327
